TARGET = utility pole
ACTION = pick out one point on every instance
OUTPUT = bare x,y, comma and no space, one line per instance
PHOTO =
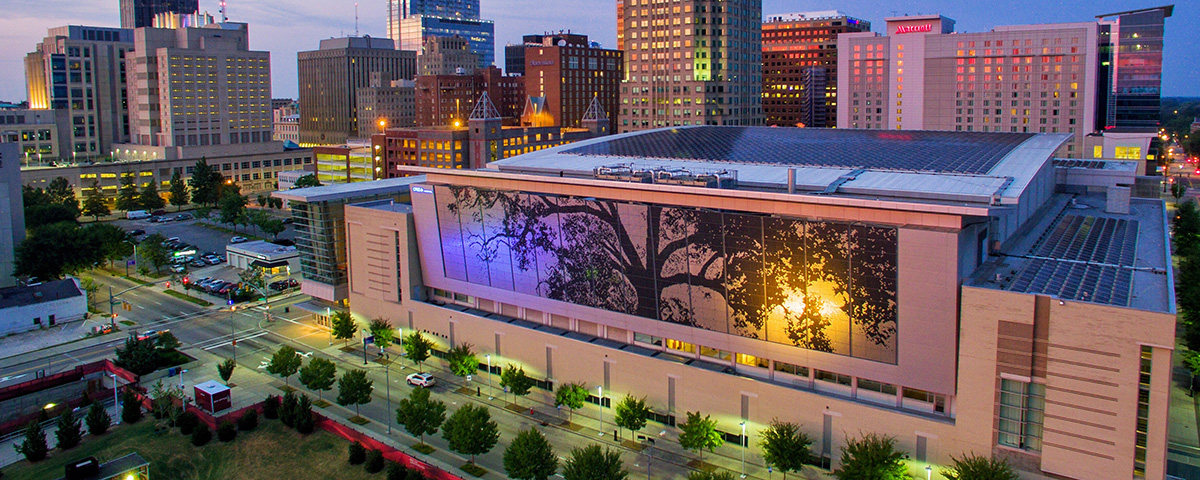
232,326
112,316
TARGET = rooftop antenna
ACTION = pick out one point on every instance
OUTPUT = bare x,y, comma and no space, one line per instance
224,17
356,19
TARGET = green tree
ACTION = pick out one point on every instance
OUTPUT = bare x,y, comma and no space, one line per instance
872,457
285,362
571,395
516,381
785,447
318,375
699,434
974,467
309,180
225,370
94,204
127,195
131,407
205,183
257,217
202,212
354,388
137,356
97,419
419,414
61,192
631,413
110,241
232,207
153,251
273,226
33,447
69,430
344,327
418,348
594,463
180,195
49,213
383,332
1185,230
51,251
150,199
1178,189
530,457
462,360
471,431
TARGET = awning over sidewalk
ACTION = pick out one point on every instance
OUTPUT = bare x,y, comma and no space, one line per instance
271,264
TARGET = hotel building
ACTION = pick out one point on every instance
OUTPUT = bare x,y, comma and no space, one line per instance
1047,78
567,74
959,291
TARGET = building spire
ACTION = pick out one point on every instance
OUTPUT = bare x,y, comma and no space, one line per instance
595,111
484,109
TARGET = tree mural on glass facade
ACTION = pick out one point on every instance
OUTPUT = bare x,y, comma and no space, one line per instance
825,286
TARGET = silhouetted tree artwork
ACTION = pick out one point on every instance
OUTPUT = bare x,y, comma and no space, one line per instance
819,285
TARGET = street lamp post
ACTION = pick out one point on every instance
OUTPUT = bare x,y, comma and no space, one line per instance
135,257
182,384
489,375
600,390
387,378
743,442
329,320
232,326
928,472
116,401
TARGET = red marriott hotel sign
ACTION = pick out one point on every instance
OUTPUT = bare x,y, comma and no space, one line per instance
928,27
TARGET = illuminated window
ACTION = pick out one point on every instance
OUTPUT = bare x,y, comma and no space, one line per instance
1021,410
1128,153
1097,151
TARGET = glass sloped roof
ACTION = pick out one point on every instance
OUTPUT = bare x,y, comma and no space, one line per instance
923,151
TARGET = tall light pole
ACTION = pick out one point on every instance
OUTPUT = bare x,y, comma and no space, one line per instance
600,390
743,442
135,257
182,384
387,378
329,320
116,401
489,375
928,472
232,326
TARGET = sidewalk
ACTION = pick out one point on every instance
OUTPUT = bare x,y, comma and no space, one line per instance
669,459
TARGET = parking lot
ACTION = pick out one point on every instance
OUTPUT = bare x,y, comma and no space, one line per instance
205,240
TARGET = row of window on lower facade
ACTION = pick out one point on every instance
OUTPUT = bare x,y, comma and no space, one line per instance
797,376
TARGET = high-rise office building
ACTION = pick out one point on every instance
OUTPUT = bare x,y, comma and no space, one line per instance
386,106
800,67
82,70
692,62
412,22
331,76
446,56
199,87
568,73
141,13
1131,48
12,211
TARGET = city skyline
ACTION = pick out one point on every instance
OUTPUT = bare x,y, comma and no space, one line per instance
273,27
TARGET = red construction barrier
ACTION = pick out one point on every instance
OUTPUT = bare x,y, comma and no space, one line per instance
389,453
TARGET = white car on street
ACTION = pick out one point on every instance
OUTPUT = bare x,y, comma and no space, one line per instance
420,380
238,239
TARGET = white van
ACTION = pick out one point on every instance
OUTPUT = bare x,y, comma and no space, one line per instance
137,214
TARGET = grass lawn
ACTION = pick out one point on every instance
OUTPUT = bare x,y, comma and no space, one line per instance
269,452
183,296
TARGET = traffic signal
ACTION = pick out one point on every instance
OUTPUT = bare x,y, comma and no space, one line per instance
186,280
127,306
168,284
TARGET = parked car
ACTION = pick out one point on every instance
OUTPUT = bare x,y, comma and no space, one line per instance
169,240
284,284
159,212
151,334
137,214
420,380
154,220
183,216
178,268
137,232
238,239
212,259
198,263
